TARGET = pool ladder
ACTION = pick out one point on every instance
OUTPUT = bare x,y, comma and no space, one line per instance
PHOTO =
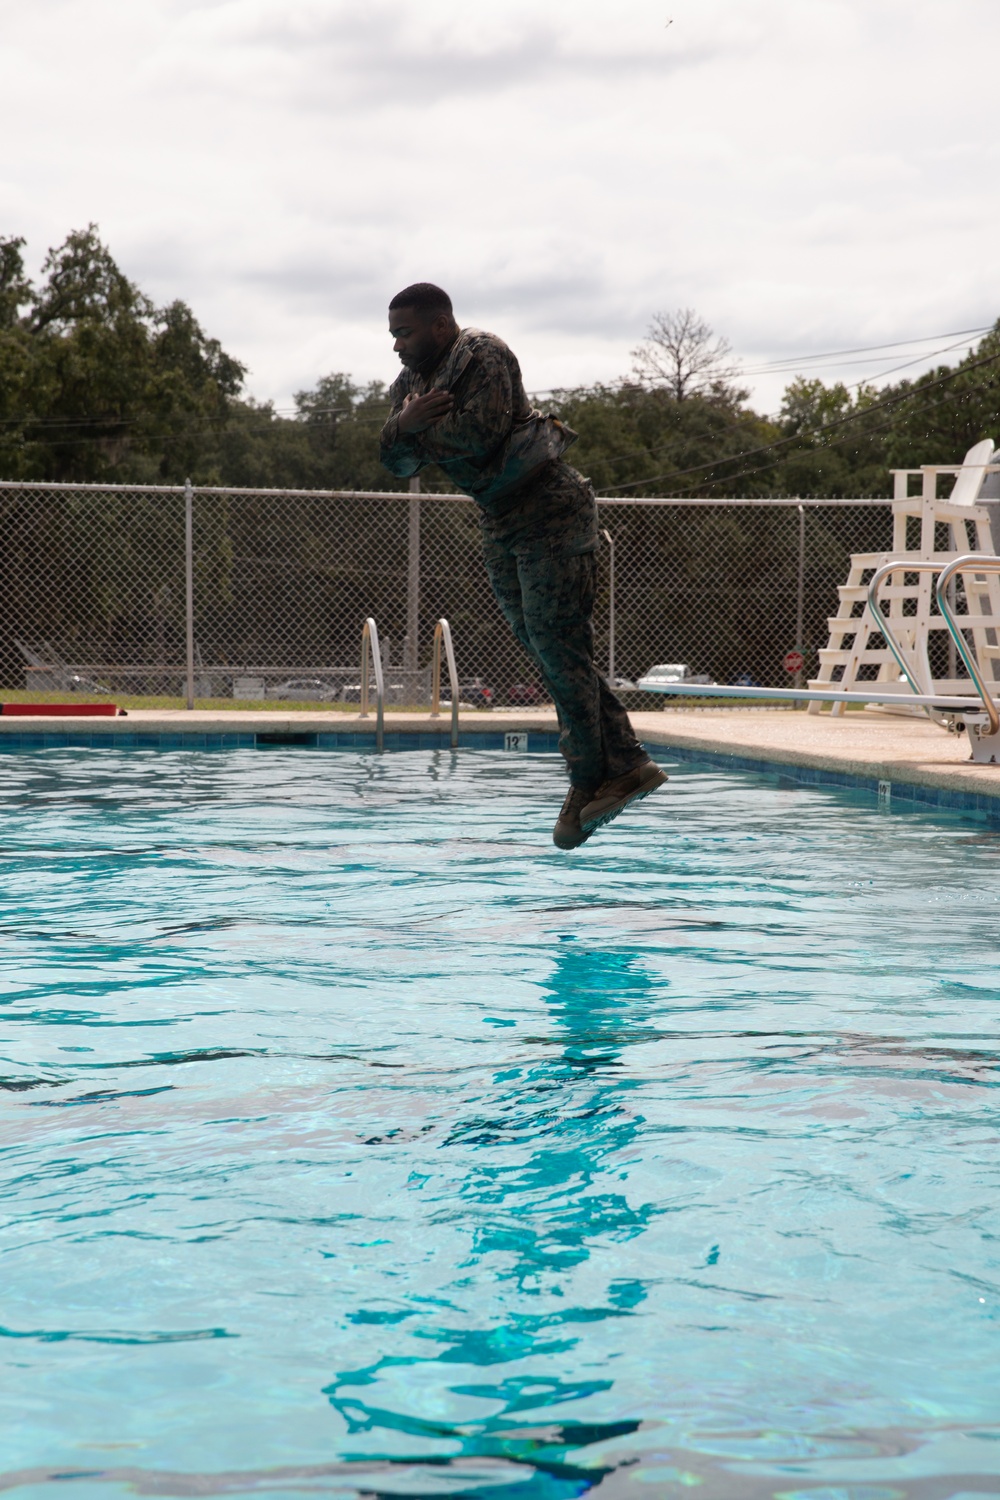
371,665
371,657
442,633
985,739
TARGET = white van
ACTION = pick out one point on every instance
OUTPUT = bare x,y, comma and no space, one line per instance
672,671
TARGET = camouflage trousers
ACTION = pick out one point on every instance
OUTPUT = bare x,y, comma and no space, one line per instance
547,598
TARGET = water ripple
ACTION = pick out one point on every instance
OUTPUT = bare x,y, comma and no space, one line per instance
353,1139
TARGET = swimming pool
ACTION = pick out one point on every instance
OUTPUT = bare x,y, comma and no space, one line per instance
357,1142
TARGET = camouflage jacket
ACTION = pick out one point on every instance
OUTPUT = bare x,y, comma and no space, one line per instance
492,440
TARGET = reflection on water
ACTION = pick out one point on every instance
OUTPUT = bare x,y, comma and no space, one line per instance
532,1209
354,1140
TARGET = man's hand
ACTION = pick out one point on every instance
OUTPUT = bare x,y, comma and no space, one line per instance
421,412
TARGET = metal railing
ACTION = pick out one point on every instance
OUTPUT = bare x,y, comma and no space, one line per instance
913,671
370,648
972,562
442,632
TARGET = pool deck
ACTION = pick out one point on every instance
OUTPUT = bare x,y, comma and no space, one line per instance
869,746
859,747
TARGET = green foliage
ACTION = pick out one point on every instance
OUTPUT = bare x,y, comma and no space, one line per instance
15,289
938,424
832,442
641,440
331,442
98,384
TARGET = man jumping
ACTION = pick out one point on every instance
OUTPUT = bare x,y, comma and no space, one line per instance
460,403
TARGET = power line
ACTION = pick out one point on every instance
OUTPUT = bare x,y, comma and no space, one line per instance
854,416
831,443
637,453
933,354
762,468
792,360
233,419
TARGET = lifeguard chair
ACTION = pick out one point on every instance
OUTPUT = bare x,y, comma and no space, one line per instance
941,529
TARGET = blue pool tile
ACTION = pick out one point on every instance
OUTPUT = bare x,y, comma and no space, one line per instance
975,804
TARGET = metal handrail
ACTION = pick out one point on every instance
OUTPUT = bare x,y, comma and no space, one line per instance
369,641
930,702
442,632
910,676
972,562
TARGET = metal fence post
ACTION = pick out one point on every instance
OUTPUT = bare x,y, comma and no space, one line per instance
800,597
611,606
412,661
189,586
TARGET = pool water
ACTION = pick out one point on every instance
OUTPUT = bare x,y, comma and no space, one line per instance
357,1142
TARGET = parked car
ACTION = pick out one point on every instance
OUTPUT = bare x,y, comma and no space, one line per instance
312,689
525,695
351,691
78,684
477,693
672,671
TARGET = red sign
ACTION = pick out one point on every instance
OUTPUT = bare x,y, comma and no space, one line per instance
793,661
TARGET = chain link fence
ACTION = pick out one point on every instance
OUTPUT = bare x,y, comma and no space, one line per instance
101,584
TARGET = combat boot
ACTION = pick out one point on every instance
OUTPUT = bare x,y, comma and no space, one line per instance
612,797
567,834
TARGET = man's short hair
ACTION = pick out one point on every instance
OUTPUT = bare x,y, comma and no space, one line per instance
423,297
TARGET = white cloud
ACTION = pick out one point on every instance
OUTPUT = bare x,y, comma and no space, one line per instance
808,174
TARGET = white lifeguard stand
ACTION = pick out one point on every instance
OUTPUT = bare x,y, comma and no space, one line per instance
917,518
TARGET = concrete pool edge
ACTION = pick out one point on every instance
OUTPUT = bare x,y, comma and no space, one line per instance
907,760
171,729
896,760
889,788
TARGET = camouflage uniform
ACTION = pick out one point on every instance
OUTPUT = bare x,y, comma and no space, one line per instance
539,524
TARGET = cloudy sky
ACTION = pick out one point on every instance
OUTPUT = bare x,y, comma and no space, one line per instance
809,175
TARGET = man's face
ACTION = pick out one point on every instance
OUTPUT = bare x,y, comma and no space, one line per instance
416,338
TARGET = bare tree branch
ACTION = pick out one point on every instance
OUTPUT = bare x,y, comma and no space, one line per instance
681,353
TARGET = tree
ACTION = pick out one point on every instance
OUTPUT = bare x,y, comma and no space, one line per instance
96,383
641,441
15,289
15,353
937,423
833,442
331,442
682,355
